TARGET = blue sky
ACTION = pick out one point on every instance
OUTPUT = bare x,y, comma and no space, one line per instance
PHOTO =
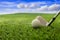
31,6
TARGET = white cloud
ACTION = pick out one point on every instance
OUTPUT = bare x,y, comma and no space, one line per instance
43,8
54,7
7,4
30,5
21,5
37,6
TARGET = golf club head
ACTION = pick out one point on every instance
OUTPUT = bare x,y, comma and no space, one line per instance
39,21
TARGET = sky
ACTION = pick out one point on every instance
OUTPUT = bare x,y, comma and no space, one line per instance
29,6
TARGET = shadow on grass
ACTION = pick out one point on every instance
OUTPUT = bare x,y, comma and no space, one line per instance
39,27
52,27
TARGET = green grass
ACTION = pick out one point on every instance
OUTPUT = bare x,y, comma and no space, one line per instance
18,27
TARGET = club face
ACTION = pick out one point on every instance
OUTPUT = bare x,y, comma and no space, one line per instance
39,21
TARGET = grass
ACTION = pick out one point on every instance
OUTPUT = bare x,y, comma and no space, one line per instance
18,27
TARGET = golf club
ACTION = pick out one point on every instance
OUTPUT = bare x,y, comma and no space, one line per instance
40,21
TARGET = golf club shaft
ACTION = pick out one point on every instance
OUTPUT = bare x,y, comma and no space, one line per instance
52,20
